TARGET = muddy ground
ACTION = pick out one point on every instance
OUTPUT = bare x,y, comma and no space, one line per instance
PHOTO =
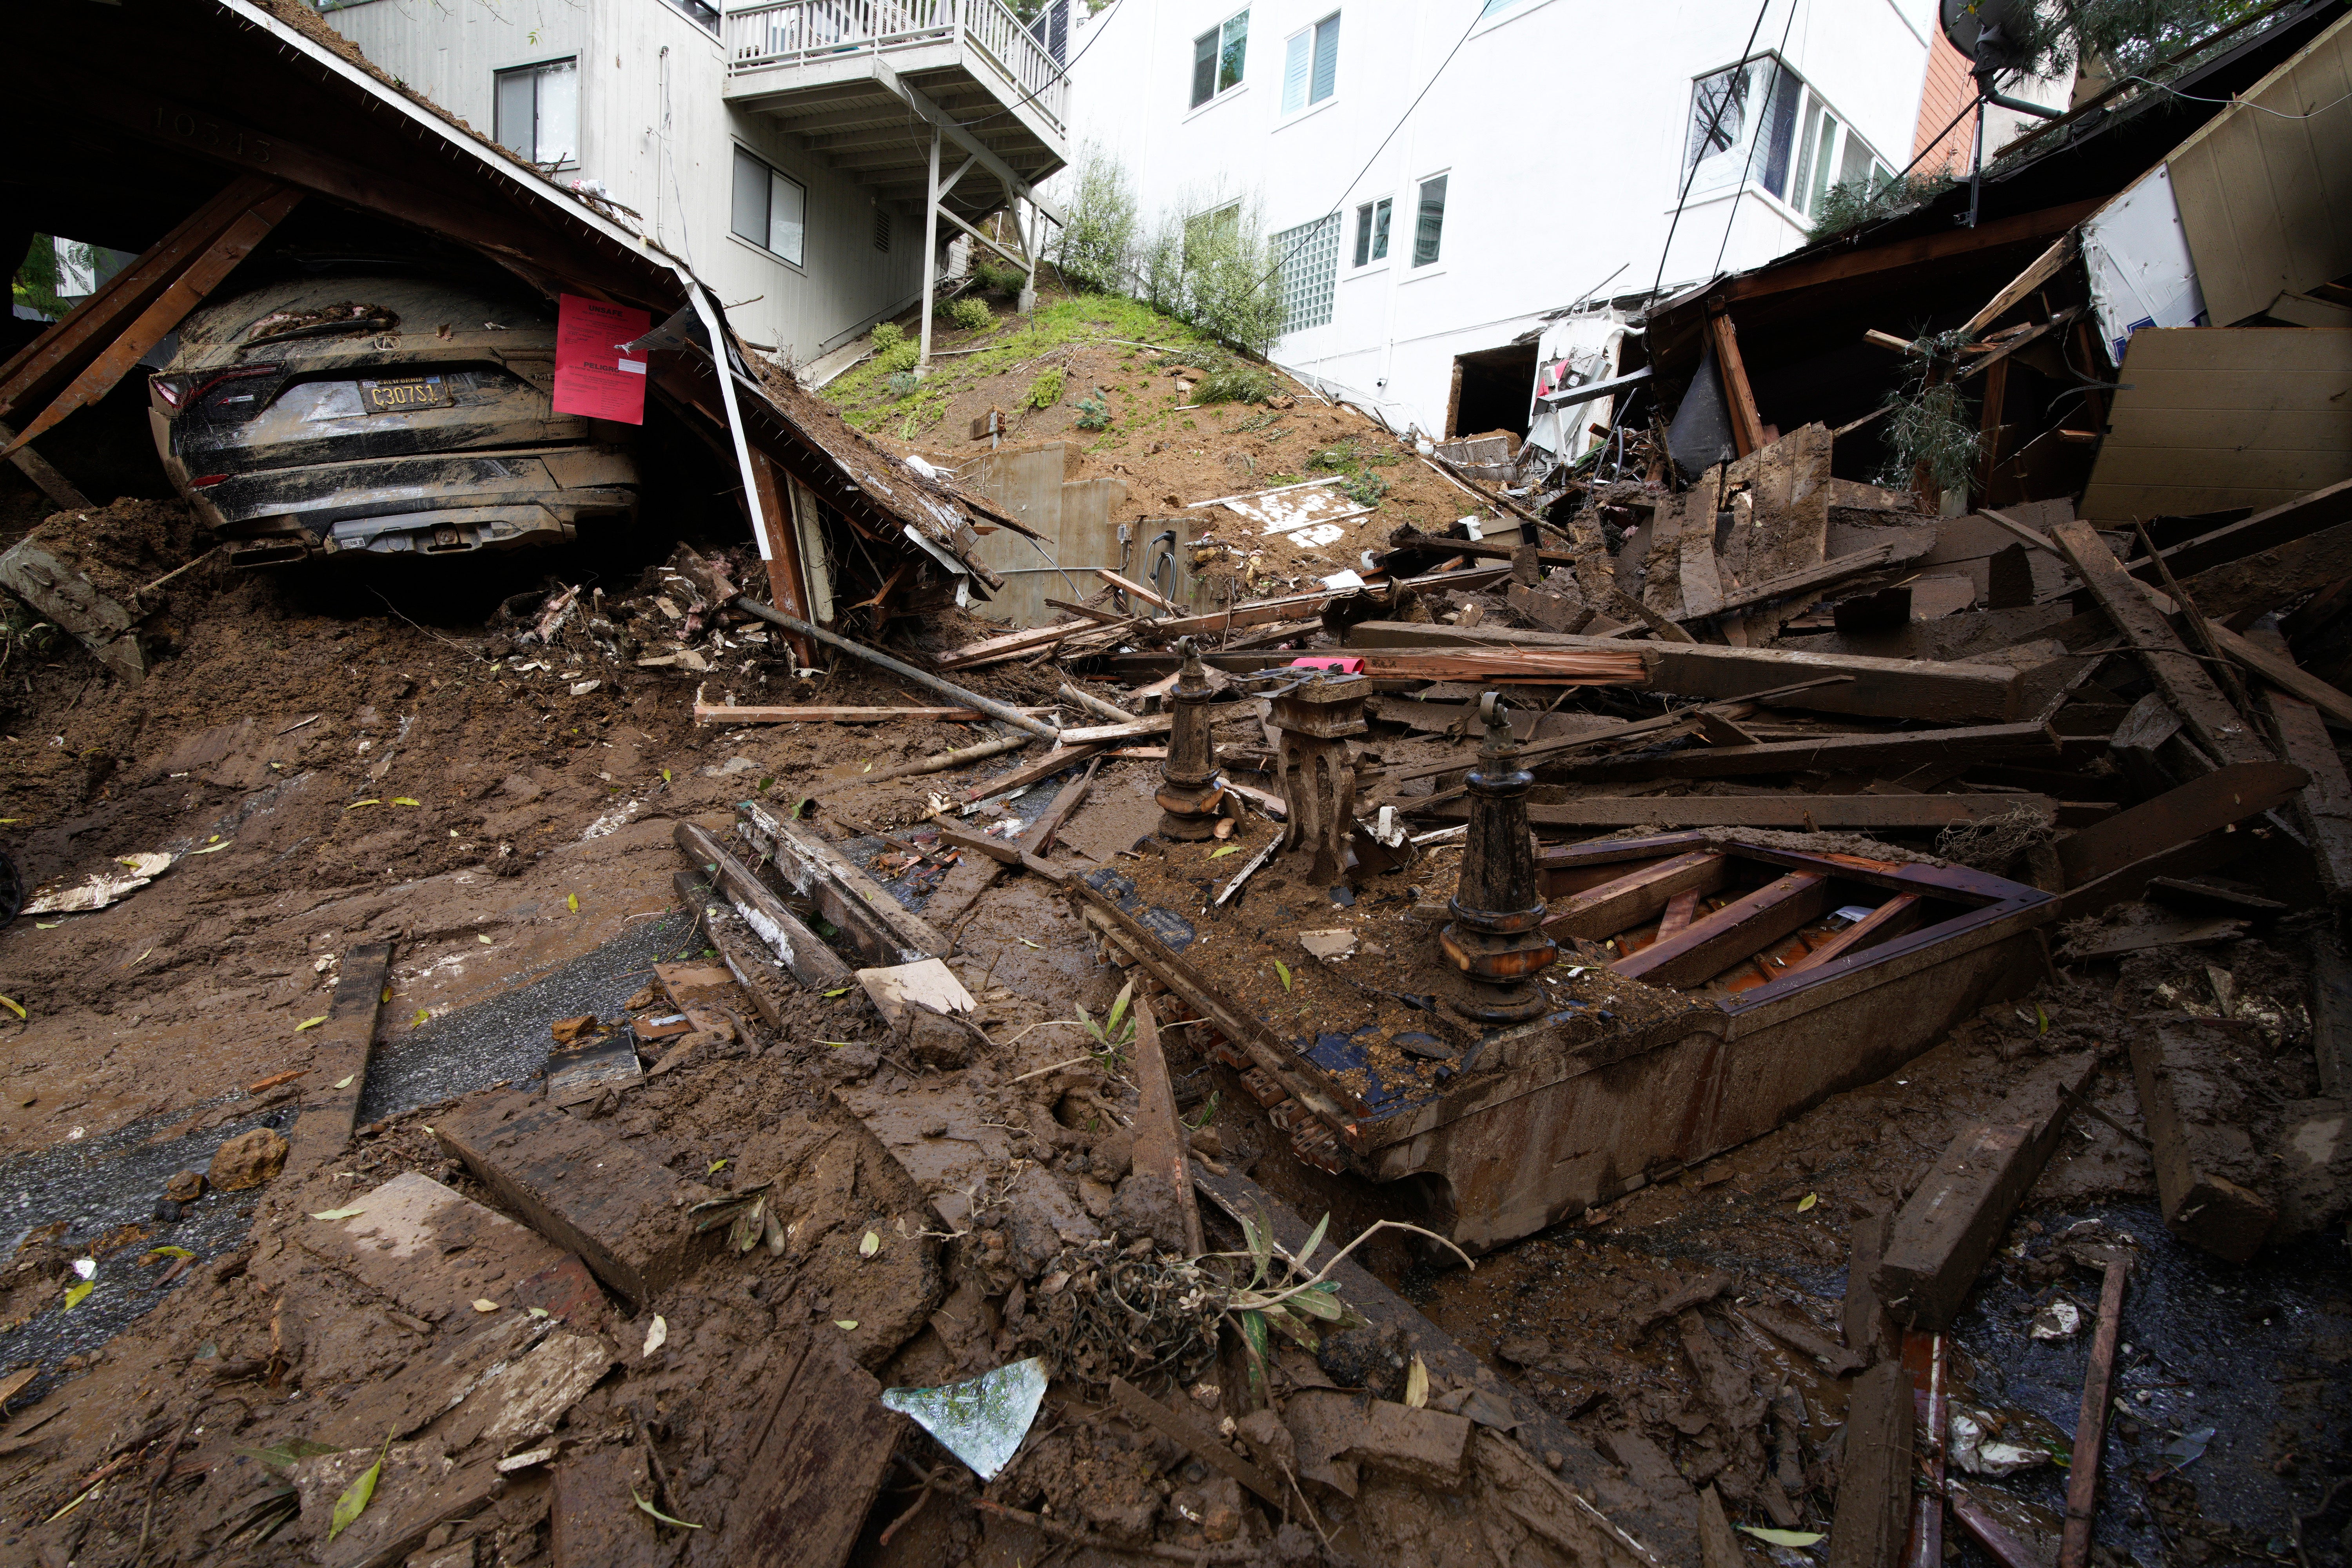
339,762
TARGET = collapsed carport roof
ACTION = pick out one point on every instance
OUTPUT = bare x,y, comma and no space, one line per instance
191,95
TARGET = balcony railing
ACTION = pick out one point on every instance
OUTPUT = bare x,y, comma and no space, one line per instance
803,32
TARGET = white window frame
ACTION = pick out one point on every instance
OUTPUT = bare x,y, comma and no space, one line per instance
1217,63
799,262
1356,218
1295,247
536,70
1414,267
1311,36
1742,169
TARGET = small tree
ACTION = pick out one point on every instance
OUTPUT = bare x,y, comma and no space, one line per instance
1095,249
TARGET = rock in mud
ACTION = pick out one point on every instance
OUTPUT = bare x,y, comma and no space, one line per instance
186,1187
248,1160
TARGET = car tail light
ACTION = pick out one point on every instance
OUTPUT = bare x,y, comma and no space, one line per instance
206,481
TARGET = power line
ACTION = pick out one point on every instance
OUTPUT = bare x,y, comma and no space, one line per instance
1747,53
1740,190
1094,31
1334,210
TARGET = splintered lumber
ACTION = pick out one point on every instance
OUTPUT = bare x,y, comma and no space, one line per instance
1492,548
1836,755
2282,672
1159,1135
2091,1427
801,950
44,474
1889,920
1188,1433
1266,612
940,762
1603,911
1870,1330
2323,807
1126,586
1712,944
1130,728
811,713
1013,645
820,1449
1538,666
1814,579
1943,1237
339,1062
747,957
1093,704
2188,689
1876,687
1873,1497
1044,767
2174,818
2331,1014
882,928
2190,1099
576,1182
1801,813
2192,559
1633,729
924,679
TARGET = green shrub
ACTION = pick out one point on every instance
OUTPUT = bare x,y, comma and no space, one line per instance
1094,412
1217,274
1854,203
1096,248
1045,391
899,356
999,277
1236,384
886,335
903,384
967,312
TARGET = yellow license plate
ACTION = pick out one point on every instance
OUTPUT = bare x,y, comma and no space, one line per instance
402,397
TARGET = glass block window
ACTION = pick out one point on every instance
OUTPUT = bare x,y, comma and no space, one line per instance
1310,272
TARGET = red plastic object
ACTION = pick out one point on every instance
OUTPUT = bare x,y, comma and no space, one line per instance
1333,662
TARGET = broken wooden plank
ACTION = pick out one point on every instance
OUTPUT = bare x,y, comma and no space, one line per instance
2323,807
1942,1239
1136,589
2331,1014
1892,919
1746,425
998,852
202,273
1803,812
437,1253
2189,1099
44,475
338,1061
2178,816
746,956
1814,579
1873,1497
1182,1429
812,963
817,1460
1945,692
1869,1329
1738,708
2091,1426
576,1182
1836,754
1133,729
1027,774
2188,689
1013,645
2282,671
65,595
1601,912
1160,1149
882,928
2264,534
1712,944
814,713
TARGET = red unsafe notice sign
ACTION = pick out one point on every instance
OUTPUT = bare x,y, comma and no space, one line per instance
592,376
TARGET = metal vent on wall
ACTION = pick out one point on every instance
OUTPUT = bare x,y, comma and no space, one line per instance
881,229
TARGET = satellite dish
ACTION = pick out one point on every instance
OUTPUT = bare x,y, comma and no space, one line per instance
1992,33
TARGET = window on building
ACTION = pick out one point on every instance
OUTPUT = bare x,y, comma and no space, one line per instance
1429,222
1496,5
1310,272
1218,56
704,13
538,111
1762,124
1204,231
1310,65
1372,231
770,210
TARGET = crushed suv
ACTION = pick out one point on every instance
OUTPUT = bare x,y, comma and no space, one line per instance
380,412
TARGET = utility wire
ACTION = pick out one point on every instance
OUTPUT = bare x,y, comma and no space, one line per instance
1094,32
1762,129
1313,222
1747,53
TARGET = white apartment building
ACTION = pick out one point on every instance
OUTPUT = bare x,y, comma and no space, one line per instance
787,151
1445,174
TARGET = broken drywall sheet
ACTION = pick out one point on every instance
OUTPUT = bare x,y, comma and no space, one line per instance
2137,257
